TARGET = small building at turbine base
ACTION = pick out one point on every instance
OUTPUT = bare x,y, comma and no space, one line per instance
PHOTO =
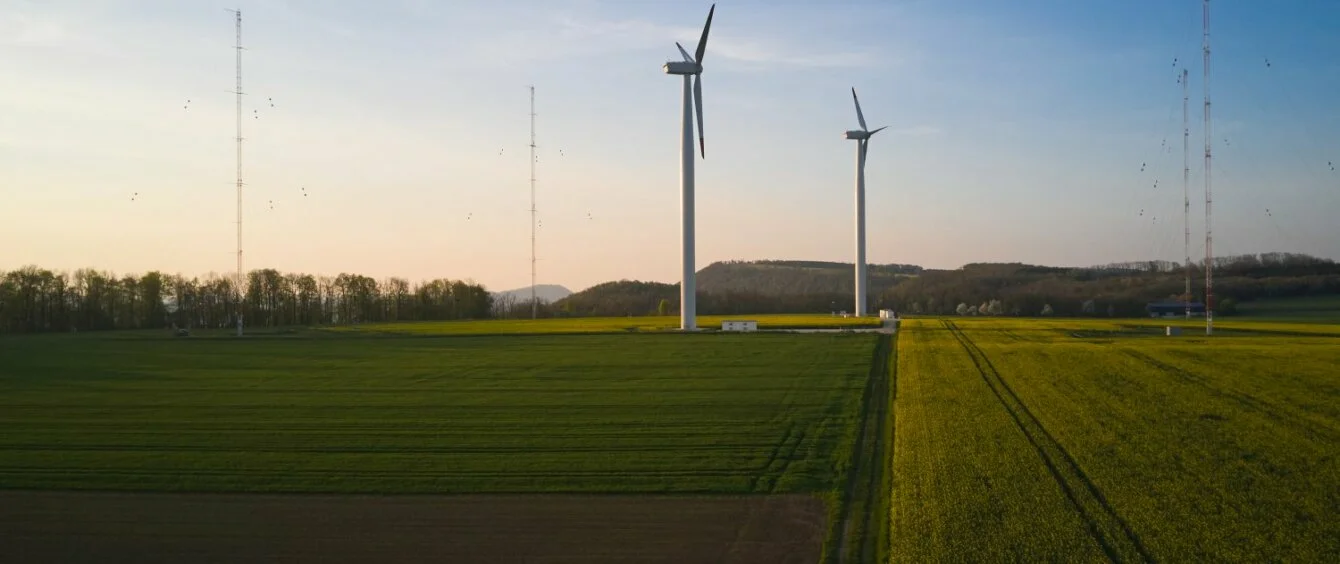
739,326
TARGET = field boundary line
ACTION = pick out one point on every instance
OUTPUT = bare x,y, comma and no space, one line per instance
883,541
1106,539
867,462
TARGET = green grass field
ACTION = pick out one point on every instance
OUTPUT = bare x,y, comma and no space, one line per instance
579,413
1028,439
955,439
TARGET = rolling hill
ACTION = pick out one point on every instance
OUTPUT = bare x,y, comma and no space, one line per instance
731,287
1116,290
793,277
547,293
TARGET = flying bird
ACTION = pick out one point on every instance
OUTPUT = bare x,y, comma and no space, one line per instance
304,191
134,195
188,105
272,102
1142,167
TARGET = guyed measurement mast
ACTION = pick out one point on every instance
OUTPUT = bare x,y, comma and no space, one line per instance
241,277
534,302
1209,228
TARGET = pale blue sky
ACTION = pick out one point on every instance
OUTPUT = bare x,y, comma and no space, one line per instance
1017,133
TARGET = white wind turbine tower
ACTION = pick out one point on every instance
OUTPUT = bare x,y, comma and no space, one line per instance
690,67
862,137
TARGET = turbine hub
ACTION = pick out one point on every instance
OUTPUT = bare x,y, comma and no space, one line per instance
682,67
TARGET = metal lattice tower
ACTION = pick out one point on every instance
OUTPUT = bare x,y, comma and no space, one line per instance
1186,188
241,277
534,302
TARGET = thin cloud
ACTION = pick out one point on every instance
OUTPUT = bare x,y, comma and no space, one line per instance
918,131
762,53
23,30
314,19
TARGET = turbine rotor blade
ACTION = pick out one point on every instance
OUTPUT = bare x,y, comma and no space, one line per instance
872,133
698,105
702,41
859,116
687,58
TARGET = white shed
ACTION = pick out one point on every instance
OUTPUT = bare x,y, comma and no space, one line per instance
739,326
886,314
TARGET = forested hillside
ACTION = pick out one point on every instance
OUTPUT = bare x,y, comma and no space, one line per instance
788,278
1120,290
998,289
738,287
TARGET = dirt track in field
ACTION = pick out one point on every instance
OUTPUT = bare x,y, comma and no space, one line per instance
199,528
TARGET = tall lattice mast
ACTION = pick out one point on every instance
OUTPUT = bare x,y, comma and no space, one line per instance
1209,227
1186,188
534,301
241,277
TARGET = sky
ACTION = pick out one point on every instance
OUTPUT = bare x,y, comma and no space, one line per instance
1037,131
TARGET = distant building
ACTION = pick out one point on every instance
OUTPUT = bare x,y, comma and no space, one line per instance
739,326
1173,309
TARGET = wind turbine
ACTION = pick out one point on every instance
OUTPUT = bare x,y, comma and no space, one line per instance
862,137
690,67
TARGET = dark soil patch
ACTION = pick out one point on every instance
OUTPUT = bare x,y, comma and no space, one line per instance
200,528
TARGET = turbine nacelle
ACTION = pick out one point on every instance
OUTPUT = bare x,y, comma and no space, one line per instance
682,68
692,65
856,134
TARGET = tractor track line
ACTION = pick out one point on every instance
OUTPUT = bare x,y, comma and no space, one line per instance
987,370
1310,428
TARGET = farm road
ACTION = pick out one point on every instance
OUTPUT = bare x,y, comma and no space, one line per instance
887,327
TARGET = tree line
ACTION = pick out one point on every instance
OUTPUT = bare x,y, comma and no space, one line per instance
38,300
34,300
